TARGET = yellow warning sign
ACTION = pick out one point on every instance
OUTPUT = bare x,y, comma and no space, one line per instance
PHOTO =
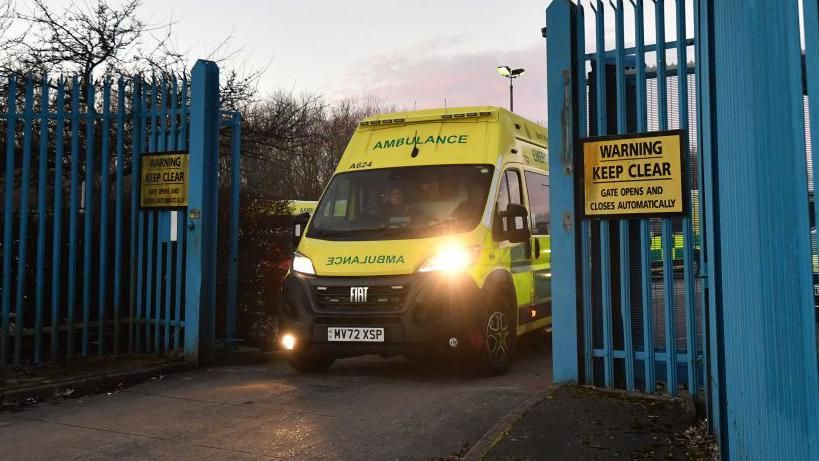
635,175
164,180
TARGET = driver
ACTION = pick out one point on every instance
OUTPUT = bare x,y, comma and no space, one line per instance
395,206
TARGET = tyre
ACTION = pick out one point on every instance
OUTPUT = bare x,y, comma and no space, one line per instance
310,363
499,339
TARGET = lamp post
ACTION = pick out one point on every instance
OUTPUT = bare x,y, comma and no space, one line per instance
511,74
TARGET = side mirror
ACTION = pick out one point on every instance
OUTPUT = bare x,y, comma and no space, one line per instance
299,225
515,222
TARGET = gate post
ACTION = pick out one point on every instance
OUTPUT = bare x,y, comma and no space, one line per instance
200,275
561,73
761,260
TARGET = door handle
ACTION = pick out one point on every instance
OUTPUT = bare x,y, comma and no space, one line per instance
537,248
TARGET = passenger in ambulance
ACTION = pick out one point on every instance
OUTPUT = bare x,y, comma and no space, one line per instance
468,213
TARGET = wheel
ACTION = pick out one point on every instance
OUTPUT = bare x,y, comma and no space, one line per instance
310,363
500,339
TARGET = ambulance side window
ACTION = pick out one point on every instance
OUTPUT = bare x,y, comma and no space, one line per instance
509,191
513,178
503,195
537,186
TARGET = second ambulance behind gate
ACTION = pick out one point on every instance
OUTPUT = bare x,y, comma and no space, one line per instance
432,235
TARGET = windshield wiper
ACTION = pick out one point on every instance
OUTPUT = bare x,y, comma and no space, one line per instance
381,229
330,233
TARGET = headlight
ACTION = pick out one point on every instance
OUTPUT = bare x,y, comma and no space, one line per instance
303,264
451,259
288,342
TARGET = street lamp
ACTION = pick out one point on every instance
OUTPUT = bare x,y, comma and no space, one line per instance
511,74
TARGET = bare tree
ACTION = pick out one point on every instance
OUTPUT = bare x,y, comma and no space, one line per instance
6,19
291,145
238,89
98,39
282,122
8,41
274,130
339,125
82,39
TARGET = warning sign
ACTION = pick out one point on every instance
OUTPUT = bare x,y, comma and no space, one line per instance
635,175
164,180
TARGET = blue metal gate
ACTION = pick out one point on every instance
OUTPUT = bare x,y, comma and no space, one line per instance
641,298
717,302
85,270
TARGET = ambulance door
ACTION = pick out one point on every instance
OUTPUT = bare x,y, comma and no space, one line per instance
539,313
519,254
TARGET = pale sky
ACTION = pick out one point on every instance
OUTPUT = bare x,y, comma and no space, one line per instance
410,53
404,52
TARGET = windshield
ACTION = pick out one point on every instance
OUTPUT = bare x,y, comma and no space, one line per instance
402,203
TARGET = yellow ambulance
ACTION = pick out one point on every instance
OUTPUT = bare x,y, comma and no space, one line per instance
297,207
433,235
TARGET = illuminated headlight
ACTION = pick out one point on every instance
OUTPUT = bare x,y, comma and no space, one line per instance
288,342
303,264
451,259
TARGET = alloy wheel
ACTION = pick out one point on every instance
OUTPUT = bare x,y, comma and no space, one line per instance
497,337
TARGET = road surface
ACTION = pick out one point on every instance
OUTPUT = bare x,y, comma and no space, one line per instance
363,408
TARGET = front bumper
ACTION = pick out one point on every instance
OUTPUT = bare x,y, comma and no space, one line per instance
417,312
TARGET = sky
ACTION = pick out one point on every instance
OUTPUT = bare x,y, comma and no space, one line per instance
408,53
411,53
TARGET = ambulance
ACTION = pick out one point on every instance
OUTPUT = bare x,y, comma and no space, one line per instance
432,236
297,207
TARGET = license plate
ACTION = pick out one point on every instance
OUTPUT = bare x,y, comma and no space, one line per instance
352,334
816,290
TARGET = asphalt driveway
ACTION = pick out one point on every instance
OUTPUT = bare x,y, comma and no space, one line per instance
363,408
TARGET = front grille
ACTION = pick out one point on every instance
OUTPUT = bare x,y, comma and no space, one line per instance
380,298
